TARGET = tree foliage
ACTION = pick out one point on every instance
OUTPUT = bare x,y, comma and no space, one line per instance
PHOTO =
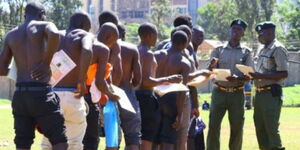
59,11
160,16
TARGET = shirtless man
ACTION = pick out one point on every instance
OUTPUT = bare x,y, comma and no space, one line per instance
91,138
149,105
130,122
34,102
106,38
76,42
173,104
181,142
115,50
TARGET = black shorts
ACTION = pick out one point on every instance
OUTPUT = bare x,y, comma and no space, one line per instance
167,134
150,114
91,138
36,103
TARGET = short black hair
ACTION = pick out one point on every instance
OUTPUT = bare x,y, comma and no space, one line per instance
179,37
107,16
183,20
77,19
185,29
34,8
146,29
121,28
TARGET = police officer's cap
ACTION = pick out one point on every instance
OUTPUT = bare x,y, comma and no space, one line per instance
239,22
264,25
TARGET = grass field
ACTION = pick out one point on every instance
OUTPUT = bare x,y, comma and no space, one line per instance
289,127
291,96
290,130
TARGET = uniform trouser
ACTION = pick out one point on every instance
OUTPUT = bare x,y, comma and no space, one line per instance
182,132
74,112
91,138
266,119
234,103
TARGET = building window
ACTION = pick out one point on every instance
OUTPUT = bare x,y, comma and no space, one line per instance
139,14
124,14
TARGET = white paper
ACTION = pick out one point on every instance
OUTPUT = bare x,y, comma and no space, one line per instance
12,74
95,93
61,65
221,74
199,81
161,90
123,101
245,69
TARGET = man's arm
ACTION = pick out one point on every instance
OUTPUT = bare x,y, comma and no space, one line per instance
280,57
181,96
115,60
137,72
150,81
101,83
5,58
85,60
52,36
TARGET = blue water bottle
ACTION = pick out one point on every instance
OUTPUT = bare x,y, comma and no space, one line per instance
111,124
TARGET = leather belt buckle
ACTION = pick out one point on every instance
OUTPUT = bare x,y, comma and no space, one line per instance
230,90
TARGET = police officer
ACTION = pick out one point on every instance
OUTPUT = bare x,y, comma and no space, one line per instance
228,95
271,67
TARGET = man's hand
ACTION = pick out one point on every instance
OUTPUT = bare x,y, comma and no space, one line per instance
213,63
256,75
177,122
41,71
175,78
196,112
205,73
114,97
79,92
231,78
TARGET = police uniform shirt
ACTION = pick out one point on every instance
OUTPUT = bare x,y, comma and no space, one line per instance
269,60
228,58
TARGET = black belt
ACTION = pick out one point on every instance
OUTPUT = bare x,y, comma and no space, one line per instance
229,89
24,88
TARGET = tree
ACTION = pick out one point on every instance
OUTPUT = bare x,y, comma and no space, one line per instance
268,8
159,16
132,32
61,10
11,14
289,16
215,18
249,11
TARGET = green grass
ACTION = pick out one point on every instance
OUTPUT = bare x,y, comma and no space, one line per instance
289,127
5,102
291,96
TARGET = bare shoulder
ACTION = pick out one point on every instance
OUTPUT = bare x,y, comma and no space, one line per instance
128,46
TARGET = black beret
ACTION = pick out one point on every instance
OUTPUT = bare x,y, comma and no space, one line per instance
239,22
265,25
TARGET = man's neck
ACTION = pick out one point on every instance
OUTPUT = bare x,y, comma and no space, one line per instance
145,44
234,43
269,42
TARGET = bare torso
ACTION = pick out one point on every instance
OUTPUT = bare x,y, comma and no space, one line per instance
130,65
27,43
148,63
71,44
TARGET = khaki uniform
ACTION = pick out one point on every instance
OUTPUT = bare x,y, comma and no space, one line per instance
233,101
268,102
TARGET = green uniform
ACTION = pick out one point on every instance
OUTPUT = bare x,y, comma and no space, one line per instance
267,103
230,100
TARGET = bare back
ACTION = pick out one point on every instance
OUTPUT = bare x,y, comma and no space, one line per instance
71,44
149,65
173,62
130,65
28,45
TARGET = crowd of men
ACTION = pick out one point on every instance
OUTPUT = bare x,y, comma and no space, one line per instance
159,123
